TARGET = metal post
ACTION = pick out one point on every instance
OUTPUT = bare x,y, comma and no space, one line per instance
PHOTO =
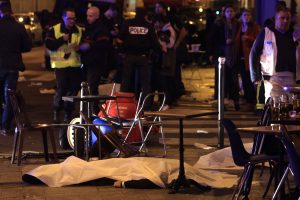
221,65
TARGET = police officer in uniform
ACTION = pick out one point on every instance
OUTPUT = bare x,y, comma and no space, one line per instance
138,39
63,42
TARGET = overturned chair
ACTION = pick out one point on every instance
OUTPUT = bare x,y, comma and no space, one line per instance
110,140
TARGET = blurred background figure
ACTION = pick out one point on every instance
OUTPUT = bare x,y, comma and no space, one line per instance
94,51
14,40
247,34
179,46
224,42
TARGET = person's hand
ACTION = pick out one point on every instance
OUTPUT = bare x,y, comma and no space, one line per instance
228,41
66,37
245,37
296,34
256,83
84,46
74,46
211,59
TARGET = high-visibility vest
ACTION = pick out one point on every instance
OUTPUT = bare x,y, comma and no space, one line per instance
65,56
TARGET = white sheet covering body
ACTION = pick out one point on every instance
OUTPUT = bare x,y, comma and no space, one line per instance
160,171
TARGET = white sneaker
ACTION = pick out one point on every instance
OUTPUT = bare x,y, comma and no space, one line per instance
165,107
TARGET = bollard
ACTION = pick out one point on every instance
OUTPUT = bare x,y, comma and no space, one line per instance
221,67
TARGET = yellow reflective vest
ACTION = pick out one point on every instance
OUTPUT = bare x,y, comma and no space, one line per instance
65,55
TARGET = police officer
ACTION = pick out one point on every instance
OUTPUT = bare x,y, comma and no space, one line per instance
63,42
138,38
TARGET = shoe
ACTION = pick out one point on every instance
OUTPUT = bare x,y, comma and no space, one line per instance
118,184
4,132
165,107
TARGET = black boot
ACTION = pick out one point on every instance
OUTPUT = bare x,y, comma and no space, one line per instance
56,117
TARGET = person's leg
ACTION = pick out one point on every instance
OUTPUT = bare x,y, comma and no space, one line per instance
10,83
233,87
127,72
145,70
93,79
61,90
137,184
249,92
73,77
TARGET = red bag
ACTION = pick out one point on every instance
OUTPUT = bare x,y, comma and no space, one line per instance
127,109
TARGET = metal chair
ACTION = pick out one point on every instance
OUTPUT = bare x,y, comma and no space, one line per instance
293,159
146,125
242,158
24,126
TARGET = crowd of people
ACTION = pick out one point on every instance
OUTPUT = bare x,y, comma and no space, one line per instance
257,55
149,54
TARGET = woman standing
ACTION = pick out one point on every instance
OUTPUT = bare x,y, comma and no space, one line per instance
223,42
247,34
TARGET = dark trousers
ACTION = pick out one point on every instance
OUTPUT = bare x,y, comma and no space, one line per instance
249,91
136,75
68,82
8,80
231,86
180,89
93,76
231,83
170,89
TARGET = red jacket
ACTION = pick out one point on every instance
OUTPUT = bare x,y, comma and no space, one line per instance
247,41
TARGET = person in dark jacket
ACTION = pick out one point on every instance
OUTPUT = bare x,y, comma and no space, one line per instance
138,38
14,40
223,42
94,46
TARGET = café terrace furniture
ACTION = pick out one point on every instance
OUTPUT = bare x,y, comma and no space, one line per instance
24,126
146,125
293,158
180,114
86,137
273,130
242,158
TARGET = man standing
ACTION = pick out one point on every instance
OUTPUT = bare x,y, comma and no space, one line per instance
94,48
138,38
13,41
63,41
273,55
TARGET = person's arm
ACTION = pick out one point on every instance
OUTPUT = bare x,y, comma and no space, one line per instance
182,34
51,42
100,42
26,43
254,58
211,37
